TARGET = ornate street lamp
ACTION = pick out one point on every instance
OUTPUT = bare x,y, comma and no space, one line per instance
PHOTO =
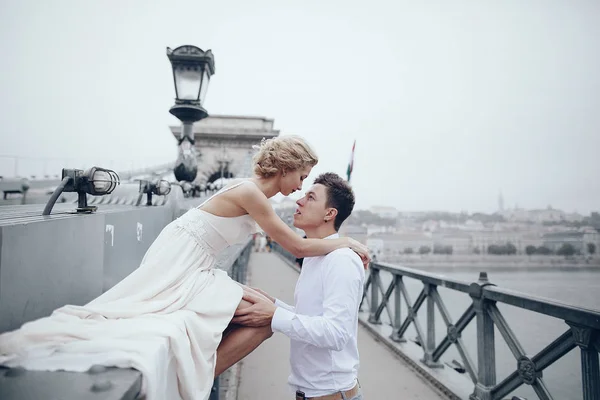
224,160
192,69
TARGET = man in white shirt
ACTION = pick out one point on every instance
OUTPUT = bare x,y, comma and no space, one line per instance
323,325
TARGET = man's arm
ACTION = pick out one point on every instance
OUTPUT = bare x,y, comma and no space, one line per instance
342,282
282,304
276,301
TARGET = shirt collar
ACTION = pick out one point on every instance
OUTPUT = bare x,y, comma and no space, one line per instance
333,236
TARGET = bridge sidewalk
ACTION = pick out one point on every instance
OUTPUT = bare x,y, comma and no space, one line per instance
264,372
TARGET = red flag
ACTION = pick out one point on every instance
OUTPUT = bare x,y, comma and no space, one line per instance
351,162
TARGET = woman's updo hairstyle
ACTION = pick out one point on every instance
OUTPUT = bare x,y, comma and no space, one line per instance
282,153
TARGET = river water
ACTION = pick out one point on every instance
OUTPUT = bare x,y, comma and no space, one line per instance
534,331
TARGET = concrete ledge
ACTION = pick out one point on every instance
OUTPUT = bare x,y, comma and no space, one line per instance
46,263
67,258
108,383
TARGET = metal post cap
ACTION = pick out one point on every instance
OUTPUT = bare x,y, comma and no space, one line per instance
483,277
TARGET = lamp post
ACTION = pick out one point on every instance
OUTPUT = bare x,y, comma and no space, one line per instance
224,160
192,69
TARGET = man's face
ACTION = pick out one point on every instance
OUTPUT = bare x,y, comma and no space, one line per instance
312,208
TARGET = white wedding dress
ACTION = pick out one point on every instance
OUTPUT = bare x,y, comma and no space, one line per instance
165,319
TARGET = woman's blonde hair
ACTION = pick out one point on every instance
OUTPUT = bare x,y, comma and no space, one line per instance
283,153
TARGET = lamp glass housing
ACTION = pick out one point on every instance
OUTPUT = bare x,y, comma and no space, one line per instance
95,181
188,82
163,187
186,186
204,86
192,69
101,181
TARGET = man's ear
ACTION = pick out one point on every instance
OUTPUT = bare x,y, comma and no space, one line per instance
330,214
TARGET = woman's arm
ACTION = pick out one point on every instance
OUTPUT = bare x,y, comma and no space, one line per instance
258,207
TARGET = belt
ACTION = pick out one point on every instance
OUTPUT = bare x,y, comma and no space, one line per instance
334,396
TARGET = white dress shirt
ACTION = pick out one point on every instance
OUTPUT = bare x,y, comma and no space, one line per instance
323,325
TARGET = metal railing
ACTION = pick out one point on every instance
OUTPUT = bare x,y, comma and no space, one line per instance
283,252
235,262
583,330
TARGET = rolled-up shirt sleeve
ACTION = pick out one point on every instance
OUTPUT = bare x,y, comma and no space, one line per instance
342,283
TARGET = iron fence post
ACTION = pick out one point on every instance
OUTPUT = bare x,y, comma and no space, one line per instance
373,319
214,391
486,351
590,371
396,337
429,345
244,267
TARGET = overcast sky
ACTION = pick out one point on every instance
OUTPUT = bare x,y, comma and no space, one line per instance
449,101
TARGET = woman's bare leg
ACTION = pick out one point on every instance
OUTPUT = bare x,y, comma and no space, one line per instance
238,342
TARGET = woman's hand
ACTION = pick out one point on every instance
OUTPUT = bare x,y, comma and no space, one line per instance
257,292
361,250
267,295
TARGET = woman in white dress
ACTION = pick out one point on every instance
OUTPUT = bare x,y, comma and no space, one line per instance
167,318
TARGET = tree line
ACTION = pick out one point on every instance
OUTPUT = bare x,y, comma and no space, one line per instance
566,250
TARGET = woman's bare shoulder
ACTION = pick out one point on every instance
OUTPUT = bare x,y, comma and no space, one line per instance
246,190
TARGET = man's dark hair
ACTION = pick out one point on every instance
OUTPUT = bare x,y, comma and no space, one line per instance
339,196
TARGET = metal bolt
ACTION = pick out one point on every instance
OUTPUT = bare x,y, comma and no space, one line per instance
101,386
97,369
453,334
483,277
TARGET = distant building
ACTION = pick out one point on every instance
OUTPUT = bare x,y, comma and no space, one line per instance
376,248
386,245
472,225
482,240
548,214
579,239
461,242
385,212
555,240
430,226
356,232
591,235
224,144
574,217
375,229
411,215
530,238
